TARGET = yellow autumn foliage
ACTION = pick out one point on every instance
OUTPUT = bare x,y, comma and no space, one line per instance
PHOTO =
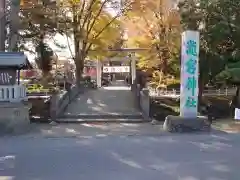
157,27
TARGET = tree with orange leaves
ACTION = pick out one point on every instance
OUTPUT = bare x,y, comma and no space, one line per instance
157,26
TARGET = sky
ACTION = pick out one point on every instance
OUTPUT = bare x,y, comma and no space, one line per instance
62,53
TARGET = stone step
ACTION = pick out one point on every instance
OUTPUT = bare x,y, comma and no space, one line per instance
96,121
103,116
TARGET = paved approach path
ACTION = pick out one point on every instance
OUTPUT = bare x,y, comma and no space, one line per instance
107,153
112,103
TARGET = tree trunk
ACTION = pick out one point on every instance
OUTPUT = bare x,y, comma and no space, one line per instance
79,62
2,25
45,78
78,73
202,75
200,91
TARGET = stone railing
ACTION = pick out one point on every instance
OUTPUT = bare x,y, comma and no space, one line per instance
13,93
142,100
65,98
145,103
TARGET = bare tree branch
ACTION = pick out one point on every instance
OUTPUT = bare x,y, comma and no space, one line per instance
82,9
75,30
89,12
69,47
91,25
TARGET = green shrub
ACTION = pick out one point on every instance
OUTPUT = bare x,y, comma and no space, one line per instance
174,86
36,88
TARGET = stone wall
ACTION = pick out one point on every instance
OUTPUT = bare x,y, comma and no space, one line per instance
14,117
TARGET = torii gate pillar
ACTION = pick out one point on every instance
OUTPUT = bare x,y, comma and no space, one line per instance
133,67
99,73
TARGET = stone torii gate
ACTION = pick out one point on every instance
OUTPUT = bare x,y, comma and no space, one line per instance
131,57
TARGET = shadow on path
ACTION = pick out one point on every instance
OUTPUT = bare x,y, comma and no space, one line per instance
109,103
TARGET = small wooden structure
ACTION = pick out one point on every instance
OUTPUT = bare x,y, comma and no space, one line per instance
10,88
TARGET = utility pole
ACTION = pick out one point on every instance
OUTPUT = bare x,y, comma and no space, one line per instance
2,25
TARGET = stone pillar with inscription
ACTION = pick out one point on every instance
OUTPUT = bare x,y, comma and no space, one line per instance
188,119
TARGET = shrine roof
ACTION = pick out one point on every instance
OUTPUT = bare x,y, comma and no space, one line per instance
16,60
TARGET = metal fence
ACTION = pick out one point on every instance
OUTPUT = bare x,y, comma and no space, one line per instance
176,93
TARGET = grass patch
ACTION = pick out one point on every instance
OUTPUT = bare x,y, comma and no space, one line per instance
164,106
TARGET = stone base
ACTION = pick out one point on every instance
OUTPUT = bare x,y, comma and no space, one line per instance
180,124
14,117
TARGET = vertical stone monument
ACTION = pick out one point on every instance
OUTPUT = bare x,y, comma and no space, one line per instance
14,109
188,119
